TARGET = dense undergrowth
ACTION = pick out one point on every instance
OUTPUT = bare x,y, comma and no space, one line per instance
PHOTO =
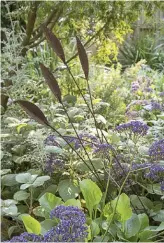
94,171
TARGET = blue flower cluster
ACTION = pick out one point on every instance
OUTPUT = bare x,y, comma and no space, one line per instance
135,86
51,140
27,237
136,127
156,151
152,171
71,227
54,163
84,138
155,106
103,149
161,94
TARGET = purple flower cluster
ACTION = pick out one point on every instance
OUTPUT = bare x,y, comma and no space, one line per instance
26,237
156,151
71,227
136,127
103,149
135,86
161,94
51,140
155,106
84,138
54,163
155,172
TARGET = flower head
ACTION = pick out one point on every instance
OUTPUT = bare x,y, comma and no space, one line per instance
136,127
71,227
51,140
135,86
156,151
27,237
103,148
54,163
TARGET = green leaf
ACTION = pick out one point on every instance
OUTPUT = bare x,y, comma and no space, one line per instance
13,229
123,207
145,235
49,201
9,180
21,195
40,211
21,126
25,186
95,230
23,177
31,224
40,181
141,202
10,210
132,226
52,189
159,216
154,189
91,193
97,163
47,225
68,189
144,221
73,202
123,210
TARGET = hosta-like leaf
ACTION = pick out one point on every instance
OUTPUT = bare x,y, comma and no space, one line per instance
83,57
55,43
33,111
51,81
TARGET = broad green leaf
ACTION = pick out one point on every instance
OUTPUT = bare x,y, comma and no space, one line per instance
141,202
68,189
121,206
132,226
49,201
9,180
95,230
40,211
21,195
31,224
11,210
73,202
160,227
13,229
154,189
97,163
47,225
144,221
91,193
40,181
23,178
52,189
159,216
25,186
145,235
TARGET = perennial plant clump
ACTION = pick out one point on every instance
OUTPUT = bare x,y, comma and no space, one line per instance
71,227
